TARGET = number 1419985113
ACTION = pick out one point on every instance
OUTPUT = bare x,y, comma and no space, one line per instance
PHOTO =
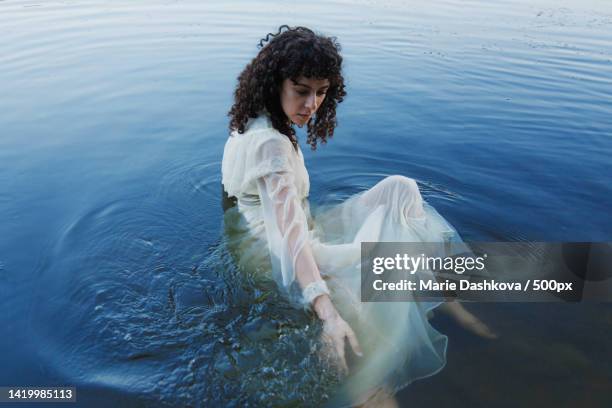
64,394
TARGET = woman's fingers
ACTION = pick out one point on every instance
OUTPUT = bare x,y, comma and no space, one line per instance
354,343
334,339
341,356
331,351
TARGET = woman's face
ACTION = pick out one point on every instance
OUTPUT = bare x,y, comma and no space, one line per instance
301,98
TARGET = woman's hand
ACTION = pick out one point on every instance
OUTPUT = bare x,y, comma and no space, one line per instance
335,331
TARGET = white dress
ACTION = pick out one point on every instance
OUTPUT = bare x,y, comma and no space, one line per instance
267,175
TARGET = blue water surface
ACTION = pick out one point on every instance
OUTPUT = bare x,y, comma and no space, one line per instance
114,275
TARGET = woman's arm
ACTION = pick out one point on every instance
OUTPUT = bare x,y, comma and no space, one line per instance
287,231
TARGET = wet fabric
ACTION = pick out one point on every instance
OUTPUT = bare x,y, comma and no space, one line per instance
268,177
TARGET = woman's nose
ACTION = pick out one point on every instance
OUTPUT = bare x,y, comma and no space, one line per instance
311,102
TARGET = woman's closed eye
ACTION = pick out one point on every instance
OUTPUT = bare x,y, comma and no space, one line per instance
303,92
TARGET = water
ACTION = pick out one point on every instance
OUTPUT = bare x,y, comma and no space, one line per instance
116,275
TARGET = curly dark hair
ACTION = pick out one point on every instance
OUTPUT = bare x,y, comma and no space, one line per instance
289,54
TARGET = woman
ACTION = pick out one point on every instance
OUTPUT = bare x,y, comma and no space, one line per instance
296,79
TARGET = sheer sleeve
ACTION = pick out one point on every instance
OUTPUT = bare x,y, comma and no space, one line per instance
293,263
